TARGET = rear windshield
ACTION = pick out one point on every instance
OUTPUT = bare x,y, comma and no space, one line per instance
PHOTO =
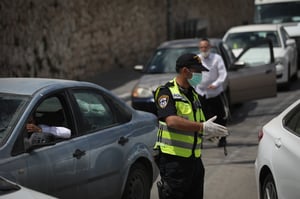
11,107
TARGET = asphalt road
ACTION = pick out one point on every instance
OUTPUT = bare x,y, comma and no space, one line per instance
230,176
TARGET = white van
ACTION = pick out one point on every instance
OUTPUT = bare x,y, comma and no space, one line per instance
286,12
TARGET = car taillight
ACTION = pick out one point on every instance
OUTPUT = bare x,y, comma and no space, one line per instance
260,135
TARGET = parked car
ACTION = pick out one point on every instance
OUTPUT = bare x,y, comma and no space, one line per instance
109,154
247,79
285,12
285,49
277,162
10,190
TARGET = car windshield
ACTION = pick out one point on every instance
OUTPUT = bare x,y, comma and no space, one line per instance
11,106
278,12
164,60
242,39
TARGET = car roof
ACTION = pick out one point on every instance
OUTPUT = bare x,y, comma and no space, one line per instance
179,43
272,1
28,86
254,27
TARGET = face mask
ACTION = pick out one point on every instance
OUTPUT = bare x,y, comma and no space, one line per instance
195,80
205,54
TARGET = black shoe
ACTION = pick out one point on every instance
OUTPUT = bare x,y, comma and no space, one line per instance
222,142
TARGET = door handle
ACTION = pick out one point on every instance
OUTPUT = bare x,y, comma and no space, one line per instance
123,140
277,142
78,154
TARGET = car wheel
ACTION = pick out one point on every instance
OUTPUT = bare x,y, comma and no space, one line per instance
138,185
269,188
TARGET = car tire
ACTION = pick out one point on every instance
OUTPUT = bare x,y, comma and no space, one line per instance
269,189
138,185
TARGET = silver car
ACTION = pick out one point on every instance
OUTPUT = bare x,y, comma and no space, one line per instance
109,153
248,78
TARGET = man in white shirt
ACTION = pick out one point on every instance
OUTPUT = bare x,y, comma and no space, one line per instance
60,132
211,87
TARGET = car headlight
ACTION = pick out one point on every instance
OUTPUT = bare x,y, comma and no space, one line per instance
140,92
279,60
279,64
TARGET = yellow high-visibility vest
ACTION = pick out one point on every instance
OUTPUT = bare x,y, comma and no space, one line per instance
176,142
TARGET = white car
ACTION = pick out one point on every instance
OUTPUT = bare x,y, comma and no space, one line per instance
285,49
278,158
10,190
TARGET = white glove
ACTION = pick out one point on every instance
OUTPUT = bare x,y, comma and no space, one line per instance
214,130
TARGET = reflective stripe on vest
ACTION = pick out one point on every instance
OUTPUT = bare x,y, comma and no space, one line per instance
175,142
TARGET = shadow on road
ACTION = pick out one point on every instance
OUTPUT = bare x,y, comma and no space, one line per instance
239,112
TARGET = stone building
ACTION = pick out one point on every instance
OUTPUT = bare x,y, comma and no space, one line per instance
75,39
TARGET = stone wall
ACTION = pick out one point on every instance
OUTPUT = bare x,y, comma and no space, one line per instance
75,39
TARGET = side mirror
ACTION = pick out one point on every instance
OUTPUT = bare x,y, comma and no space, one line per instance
290,42
38,140
238,65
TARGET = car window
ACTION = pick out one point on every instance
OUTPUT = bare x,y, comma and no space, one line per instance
277,12
98,112
164,60
51,112
255,57
227,55
292,121
243,39
11,107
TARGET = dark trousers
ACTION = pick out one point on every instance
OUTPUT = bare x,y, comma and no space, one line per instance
214,106
181,178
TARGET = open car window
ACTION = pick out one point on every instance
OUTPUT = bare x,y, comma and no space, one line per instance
257,53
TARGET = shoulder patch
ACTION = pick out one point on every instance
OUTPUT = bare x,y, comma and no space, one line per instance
163,101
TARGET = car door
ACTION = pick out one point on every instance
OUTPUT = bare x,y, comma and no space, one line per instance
53,167
106,126
252,75
64,162
286,159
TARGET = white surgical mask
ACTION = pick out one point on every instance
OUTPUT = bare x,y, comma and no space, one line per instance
195,80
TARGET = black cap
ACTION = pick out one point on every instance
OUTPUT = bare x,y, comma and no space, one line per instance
190,60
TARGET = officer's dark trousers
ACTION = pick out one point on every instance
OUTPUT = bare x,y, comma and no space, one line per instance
181,178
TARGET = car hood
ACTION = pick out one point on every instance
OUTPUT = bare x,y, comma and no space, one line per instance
152,81
11,190
293,29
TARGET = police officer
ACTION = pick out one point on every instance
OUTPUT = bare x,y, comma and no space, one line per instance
181,126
